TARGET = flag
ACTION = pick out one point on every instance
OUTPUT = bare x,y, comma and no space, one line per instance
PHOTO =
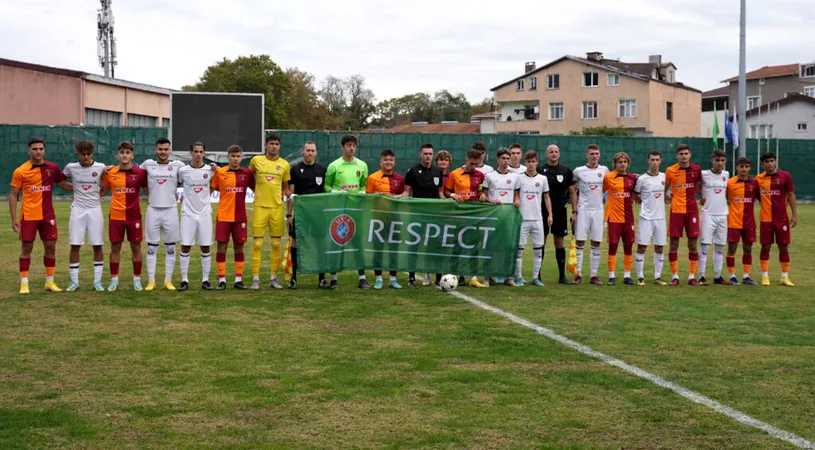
571,260
715,127
735,131
286,262
728,129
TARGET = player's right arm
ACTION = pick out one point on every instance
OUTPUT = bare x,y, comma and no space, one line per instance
12,206
330,175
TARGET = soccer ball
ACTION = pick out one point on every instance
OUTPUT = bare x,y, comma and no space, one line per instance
448,282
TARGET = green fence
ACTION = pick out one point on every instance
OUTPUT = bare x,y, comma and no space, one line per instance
795,156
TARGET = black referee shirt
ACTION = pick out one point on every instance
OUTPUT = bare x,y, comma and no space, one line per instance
308,179
424,182
560,178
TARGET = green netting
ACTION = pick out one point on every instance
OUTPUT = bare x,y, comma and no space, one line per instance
795,156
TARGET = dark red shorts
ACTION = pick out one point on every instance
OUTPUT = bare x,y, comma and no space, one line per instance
46,227
688,222
223,230
618,230
775,232
118,228
736,235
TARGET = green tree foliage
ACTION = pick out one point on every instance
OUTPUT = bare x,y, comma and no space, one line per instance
602,131
307,110
421,107
349,100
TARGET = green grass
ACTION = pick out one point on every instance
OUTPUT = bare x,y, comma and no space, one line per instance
416,369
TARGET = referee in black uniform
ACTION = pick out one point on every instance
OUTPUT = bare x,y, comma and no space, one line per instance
424,180
561,192
307,177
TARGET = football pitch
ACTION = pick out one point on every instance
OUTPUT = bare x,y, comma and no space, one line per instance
415,368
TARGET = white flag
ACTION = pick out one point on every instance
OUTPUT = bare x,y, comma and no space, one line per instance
736,129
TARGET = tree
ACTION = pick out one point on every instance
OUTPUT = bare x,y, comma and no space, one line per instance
251,74
306,109
416,107
451,107
484,106
602,131
350,100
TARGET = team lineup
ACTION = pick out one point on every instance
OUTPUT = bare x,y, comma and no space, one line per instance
601,202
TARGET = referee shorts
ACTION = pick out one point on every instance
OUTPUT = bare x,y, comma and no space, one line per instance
271,219
560,222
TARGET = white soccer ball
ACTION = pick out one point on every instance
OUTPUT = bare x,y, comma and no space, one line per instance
448,282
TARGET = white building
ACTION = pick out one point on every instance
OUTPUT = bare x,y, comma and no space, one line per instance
717,98
792,117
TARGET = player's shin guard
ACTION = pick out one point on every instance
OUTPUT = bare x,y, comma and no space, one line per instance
169,261
659,261
731,266
185,266
579,254
538,261
98,268
595,260
673,259
73,270
693,265
746,264
612,260
718,260
206,266
238,266
294,264
640,262
784,259
705,248
25,264
275,262
220,260
50,264
560,256
152,254
257,252
764,260
628,259
519,263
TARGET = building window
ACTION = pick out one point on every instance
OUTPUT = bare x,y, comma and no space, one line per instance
669,111
802,127
165,122
589,110
102,118
553,81
807,70
613,79
753,102
556,111
591,79
809,91
533,83
628,109
519,85
761,131
138,120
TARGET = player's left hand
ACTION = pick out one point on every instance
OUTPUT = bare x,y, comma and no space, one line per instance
793,222
573,220
702,202
517,203
15,225
549,220
289,220
213,166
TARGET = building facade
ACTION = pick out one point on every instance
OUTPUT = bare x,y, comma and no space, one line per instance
573,93
792,117
32,94
772,83
714,104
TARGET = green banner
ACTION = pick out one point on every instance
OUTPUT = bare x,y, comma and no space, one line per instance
339,231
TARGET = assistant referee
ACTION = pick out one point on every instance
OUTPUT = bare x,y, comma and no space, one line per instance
561,192
307,178
424,180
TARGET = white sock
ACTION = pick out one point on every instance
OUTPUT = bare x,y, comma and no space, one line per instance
391,277
136,279
784,274
379,278
98,269
639,261
703,259
185,266
169,261
221,279
206,263
579,253
257,278
237,278
627,274
519,263
49,279
152,250
537,262
116,278
74,270
362,277
273,278
718,260
595,260
333,277
24,280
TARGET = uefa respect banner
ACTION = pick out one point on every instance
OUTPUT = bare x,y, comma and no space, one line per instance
339,231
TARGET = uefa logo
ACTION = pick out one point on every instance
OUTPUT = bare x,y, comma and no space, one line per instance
342,229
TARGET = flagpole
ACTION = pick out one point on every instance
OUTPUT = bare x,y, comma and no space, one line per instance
742,91
777,139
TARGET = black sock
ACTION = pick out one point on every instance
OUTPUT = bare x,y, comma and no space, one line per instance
438,278
322,276
294,263
412,276
560,255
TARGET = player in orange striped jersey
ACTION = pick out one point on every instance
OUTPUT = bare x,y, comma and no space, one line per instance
124,182
683,181
742,192
231,182
619,184
777,191
35,179
386,182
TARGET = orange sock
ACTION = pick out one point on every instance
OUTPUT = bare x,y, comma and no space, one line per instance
239,265
693,266
612,263
674,261
765,265
628,262
220,261
746,268
785,267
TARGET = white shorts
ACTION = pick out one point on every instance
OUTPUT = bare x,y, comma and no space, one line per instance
86,220
714,230
652,230
532,228
161,221
589,225
192,226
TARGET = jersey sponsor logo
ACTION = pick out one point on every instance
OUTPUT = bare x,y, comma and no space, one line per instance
198,190
124,190
594,187
770,192
318,180
685,185
622,194
162,181
233,190
718,191
270,178
504,193
342,229
468,193
40,188
349,186
531,197
86,187
742,200
657,195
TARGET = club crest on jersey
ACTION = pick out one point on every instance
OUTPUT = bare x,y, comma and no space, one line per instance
47,172
599,175
342,229
301,170
559,179
509,181
206,176
359,173
133,177
170,169
435,180
537,185
724,179
318,180
93,174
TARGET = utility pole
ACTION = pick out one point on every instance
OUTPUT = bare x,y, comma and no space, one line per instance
105,42
743,128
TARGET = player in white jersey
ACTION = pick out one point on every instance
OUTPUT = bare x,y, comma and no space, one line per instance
516,165
714,217
650,192
196,214
481,147
86,213
590,215
162,213
501,186
533,187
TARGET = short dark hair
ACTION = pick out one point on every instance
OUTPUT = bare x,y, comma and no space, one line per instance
124,145
767,156
272,137
530,155
84,146
654,153
501,151
593,147
515,145
348,138
718,154
162,140
426,145
473,154
480,146
234,149
387,152
743,162
682,147
198,144
35,140
309,142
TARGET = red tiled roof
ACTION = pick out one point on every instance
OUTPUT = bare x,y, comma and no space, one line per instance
464,128
485,115
791,98
723,91
768,72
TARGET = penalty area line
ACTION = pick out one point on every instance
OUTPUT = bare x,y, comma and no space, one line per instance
695,397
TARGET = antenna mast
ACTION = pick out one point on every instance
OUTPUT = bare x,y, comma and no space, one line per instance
105,42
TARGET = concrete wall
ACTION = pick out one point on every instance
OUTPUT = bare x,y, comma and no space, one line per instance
127,101
707,124
686,106
773,88
32,97
785,121
487,125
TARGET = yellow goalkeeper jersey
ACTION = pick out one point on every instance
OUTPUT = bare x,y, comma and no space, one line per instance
269,178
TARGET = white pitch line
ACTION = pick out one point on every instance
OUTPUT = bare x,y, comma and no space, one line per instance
695,397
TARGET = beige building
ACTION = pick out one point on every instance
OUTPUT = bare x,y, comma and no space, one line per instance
572,93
